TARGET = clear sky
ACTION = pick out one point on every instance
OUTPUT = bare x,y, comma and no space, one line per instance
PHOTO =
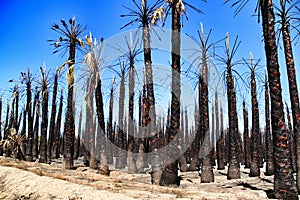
25,27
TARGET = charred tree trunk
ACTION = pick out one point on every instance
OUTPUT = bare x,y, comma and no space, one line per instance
284,185
254,166
29,119
293,89
246,137
44,124
120,160
52,119
103,164
170,171
291,141
58,127
268,136
110,127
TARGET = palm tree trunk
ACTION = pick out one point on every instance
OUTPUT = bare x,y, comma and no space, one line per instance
68,162
254,166
29,119
120,161
284,185
36,125
293,90
58,127
131,162
52,119
234,168
291,140
44,125
268,136
110,127
170,171
103,164
1,149
246,137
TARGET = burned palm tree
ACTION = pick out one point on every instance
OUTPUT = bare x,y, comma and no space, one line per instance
110,124
291,141
246,137
234,167
144,15
92,60
57,131
254,166
268,136
44,123
27,79
287,16
52,117
36,127
284,185
69,41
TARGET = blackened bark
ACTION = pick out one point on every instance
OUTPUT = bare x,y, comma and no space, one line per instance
120,160
58,127
52,119
103,164
36,124
110,127
246,137
269,143
44,123
293,89
170,171
284,185
29,119
131,161
291,141
254,166
220,136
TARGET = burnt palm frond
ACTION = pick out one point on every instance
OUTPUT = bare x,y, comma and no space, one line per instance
69,32
143,12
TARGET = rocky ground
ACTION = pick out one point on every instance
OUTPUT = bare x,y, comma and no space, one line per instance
25,180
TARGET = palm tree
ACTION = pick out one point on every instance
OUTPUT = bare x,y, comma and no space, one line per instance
284,185
71,43
287,17
254,166
144,15
291,139
36,124
246,137
92,60
27,78
234,167
52,117
57,127
268,136
44,125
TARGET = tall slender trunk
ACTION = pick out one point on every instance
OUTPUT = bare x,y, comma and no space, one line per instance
23,132
247,150
131,161
103,164
68,162
284,185
90,126
268,136
110,127
254,166
36,125
234,167
291,141
120,161
220,137
52,119
17,109
29,119
170,171
44,124
293,90
58,127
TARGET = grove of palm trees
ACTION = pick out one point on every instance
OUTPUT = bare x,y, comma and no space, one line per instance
154,113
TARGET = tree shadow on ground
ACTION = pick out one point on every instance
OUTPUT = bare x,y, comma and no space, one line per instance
269,192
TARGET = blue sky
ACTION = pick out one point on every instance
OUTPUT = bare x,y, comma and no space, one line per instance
25,27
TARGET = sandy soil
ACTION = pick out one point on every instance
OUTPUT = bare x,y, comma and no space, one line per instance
25,180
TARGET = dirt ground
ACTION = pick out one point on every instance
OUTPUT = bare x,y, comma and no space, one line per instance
33,180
